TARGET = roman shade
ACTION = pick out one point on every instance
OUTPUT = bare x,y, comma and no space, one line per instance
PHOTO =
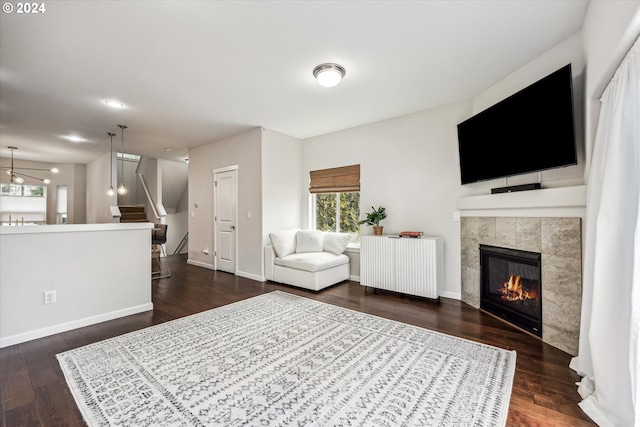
345,179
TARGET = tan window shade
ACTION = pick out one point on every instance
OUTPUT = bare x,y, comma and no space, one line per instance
344,179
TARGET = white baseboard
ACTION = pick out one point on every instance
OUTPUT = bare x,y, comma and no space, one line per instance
201,264
251,276
452,295
80,323
354,278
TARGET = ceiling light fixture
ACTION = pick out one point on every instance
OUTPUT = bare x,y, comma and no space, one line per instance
110,191
74,138
114,104
329,74
122,190
18,177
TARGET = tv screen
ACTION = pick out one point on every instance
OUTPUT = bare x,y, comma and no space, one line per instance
532,130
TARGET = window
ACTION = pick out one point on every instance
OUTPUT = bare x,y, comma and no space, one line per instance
24,190
338,212
336,200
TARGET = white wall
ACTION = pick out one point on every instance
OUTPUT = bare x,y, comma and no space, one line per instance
243,150
281,186
105,273
177,227
98,202
76,197
174,183
130,182
281,166
408,164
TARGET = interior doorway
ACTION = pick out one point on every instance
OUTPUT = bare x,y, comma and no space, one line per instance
225,218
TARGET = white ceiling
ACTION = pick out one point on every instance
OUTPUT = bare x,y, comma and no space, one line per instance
192,72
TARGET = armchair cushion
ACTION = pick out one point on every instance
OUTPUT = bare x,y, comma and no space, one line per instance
335,242
284,242
308,241
312,261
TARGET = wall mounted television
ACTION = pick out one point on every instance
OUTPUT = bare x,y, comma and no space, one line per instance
530,131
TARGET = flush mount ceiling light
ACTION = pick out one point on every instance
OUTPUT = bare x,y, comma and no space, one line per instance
114,104
19,177
329,75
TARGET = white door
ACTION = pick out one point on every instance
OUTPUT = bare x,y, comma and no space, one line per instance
225,217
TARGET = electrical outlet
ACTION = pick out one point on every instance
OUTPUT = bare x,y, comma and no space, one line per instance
49,297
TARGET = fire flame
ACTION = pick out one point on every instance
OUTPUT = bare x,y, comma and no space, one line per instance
512,290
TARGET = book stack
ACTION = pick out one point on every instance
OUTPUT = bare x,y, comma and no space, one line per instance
412,234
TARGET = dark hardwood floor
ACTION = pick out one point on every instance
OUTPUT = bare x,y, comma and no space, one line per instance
33,391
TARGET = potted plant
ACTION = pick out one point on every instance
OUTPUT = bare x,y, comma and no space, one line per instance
373,218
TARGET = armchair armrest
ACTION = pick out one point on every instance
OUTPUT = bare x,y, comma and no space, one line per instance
269,259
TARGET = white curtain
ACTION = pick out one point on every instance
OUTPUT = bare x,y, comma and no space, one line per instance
609,352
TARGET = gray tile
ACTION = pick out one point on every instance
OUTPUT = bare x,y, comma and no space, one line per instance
487,231
469,254
562,275
468,228
506,232
559,339
562,236
471,286
561,312
528,234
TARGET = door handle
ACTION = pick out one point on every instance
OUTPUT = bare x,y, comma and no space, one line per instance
233,227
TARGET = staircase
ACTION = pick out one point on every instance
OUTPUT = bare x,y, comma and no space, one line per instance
133,214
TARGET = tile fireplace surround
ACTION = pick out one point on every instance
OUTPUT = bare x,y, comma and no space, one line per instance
559,240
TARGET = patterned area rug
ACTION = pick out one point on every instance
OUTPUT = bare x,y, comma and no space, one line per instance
283,360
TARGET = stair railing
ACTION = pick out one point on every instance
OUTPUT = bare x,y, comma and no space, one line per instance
183,242
156,214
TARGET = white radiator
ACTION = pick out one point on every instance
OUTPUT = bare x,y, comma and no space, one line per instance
407,265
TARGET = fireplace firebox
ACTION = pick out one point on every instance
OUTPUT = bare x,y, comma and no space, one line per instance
511,287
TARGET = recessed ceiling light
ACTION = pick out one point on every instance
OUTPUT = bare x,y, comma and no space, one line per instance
168,149
74,138
114,104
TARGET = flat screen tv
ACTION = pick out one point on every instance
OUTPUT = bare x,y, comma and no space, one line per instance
530,131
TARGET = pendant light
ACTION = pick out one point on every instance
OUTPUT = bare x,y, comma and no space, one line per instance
122,190
111,191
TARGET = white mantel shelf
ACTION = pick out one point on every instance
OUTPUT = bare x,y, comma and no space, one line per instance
67,228
561,197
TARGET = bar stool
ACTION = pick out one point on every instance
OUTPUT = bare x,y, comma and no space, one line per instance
159,238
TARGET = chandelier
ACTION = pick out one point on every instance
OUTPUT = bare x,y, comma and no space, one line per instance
18,177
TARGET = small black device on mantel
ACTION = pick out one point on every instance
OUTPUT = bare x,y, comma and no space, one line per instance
530,131
514,188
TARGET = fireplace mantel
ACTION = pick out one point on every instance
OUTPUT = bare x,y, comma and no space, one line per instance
567,198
